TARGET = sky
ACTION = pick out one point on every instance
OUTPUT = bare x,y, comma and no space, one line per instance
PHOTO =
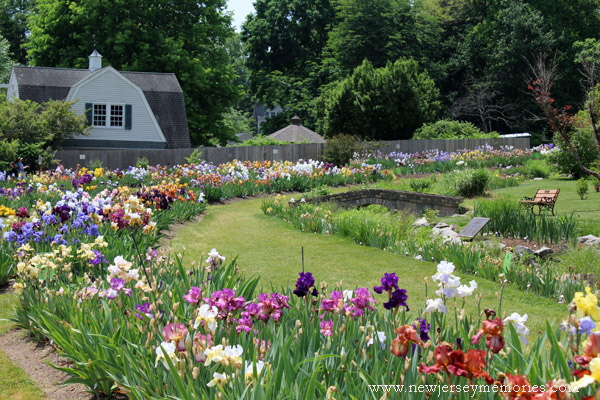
240,9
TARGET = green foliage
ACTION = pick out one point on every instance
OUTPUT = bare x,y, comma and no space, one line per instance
275,123
375,30
38,129
235,122
261,140
510,220
465,183
6,62
564,162
582,188
9,152
95,164
379,103
318,191
537,169
13,26
195,157
285,40
448,129
184,37
142,162
340,149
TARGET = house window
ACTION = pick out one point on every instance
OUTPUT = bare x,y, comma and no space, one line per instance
108,115
99,114
116,115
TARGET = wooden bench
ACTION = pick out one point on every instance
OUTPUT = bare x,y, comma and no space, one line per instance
544,199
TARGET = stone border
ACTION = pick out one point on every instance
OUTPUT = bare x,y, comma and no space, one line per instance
401,200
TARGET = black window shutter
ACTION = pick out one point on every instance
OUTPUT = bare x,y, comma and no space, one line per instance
128,116
88,113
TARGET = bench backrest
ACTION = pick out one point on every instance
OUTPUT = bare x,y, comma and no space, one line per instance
546,194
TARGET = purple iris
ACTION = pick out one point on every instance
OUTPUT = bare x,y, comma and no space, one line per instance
194,295
424,327
117,284
99,258
388,283
143,311
304,283
397,299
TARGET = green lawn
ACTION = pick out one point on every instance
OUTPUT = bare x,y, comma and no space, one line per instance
15,384
588,210
271,248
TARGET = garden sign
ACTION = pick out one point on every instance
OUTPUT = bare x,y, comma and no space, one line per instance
473,227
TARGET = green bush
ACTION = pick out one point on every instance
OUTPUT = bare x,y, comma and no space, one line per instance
39,129
142,162
386,103
419,185
582,187
465,183
340,149
563,160
261,140
537,169
95,164
448,129
195,157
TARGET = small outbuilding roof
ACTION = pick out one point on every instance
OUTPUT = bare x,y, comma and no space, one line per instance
296,133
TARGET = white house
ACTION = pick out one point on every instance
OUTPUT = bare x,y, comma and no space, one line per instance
124,109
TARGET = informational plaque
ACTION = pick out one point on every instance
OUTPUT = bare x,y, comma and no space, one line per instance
473,227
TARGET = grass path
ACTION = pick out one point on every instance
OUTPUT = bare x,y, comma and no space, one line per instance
15,384
271,248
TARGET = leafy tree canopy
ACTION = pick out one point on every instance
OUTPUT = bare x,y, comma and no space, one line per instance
386,103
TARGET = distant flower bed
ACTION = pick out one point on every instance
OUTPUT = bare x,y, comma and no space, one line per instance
440,161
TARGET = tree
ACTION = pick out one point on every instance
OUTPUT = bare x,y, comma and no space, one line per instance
31,130
386,103
561,120
13,25
285,40
6,62
376,30
183,37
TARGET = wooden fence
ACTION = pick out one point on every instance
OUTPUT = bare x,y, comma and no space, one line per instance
123,158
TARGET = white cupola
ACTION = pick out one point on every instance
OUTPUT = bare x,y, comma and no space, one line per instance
95,61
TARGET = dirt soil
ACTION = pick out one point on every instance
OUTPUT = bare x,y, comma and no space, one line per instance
33,357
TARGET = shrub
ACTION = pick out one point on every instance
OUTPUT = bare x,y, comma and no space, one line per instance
39,129
260,140
95,164
419,185
449,129
340,149
195,157
537,169
582,188
563,160
386,103
142,162
465,183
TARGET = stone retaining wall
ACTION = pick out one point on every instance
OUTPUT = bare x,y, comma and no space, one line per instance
413,202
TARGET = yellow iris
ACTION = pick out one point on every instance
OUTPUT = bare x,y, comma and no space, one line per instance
587,305
588,379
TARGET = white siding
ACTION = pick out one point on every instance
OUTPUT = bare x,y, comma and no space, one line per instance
109,87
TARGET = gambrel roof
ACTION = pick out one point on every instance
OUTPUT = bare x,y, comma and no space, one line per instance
162,91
